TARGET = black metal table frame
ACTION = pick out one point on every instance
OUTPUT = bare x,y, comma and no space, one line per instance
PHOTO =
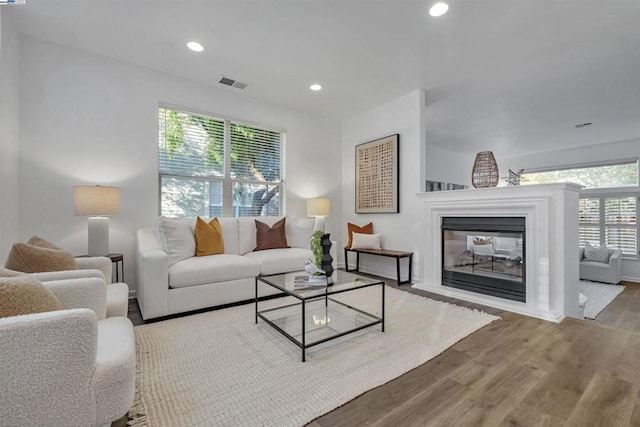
303,346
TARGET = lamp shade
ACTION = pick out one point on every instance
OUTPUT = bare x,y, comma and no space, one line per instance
96,200
319,206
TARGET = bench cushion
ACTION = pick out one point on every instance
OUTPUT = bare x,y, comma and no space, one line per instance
275,261
211,269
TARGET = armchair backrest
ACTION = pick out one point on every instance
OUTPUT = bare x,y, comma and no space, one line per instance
46,367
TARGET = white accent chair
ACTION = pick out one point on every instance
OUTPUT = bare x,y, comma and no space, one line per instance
601,272
71,367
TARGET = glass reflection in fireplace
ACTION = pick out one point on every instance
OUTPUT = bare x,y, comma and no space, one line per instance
489,254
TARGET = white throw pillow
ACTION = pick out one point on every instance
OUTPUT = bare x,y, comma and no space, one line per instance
179,237
299,231
365,241
599,254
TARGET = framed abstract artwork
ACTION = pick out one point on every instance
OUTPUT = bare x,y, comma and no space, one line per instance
377,171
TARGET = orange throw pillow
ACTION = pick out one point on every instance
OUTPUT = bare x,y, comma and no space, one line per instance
352,228
208,237
270,237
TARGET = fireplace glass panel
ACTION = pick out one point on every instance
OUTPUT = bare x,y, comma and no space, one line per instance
485,255
489,254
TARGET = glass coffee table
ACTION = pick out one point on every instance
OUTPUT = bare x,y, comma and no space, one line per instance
317,316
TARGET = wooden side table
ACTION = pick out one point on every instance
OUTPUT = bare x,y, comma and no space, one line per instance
115,259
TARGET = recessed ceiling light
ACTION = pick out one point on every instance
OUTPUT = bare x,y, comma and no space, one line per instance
438,9
195,46
315,86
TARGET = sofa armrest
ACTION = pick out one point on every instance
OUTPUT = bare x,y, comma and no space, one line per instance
88,293
153,275
101,263
580,254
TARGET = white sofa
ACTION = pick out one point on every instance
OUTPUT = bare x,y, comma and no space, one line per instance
171,279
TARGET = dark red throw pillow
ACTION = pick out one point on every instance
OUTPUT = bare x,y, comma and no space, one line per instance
273,237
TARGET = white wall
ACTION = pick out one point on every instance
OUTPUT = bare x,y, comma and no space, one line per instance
448,166
85,119
403,115
9,99
589,154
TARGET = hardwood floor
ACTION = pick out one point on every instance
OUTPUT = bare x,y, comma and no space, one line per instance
518,371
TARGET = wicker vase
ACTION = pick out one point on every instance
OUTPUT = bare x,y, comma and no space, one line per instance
485,170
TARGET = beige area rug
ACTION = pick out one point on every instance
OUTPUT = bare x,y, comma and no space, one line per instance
220,368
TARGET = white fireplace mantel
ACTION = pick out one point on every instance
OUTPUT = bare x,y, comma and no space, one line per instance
551,214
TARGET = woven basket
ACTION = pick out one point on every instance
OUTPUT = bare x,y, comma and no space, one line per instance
485,170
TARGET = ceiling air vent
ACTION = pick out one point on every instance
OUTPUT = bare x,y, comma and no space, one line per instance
583,125
233,83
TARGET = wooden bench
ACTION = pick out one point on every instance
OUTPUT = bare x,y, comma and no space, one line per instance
380,252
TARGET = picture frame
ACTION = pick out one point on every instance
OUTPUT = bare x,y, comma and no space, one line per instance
377,175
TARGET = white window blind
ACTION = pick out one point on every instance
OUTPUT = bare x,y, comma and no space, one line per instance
215,167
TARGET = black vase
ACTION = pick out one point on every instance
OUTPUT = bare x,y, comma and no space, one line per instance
326,263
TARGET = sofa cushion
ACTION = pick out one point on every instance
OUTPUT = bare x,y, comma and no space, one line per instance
209,239
274,261
177,238
274,237
34,259
299,231
247,231
211,269
229,234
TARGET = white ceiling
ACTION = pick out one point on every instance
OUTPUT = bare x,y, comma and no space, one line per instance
513,76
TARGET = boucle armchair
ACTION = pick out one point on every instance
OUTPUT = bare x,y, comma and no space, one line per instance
105,298
68,367
65,368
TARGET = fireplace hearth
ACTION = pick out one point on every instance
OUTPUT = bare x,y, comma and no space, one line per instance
485,255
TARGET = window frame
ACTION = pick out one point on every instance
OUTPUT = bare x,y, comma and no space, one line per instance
586,165
227,181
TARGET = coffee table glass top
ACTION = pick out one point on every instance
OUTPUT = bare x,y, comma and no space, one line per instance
343,282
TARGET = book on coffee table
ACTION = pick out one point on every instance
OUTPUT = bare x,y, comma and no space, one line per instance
306,282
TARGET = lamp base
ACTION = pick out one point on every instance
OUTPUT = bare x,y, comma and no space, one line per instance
98,242
319,224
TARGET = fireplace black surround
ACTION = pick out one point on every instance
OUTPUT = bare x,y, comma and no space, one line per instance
485,255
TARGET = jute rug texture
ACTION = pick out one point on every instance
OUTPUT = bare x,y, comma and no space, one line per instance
220,368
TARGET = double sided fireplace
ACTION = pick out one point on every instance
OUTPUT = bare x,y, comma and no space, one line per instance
485,255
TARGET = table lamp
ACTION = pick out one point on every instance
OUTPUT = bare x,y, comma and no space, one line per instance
97,202
320,207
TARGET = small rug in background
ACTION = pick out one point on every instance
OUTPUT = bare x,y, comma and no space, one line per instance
599,295
220,368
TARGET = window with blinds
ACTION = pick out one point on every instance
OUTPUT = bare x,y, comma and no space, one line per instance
215,167
610,220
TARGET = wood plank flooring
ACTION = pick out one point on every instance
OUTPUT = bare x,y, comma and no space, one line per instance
515,372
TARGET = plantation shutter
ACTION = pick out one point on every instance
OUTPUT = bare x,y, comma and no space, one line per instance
589,222
620,222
